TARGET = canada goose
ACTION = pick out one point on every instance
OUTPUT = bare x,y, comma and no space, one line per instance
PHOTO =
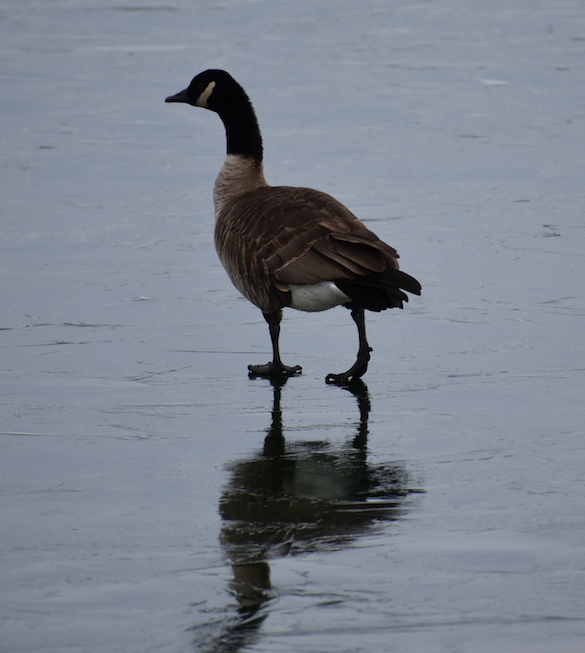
286,246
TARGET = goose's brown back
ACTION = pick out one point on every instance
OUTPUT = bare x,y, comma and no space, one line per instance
274,236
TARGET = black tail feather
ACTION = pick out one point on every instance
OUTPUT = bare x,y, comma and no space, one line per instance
377,292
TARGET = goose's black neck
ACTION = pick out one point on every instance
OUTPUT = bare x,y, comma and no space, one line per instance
241,125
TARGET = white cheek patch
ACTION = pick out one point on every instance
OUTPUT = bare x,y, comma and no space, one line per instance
202,99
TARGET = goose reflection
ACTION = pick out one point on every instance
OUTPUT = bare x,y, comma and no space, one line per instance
298,497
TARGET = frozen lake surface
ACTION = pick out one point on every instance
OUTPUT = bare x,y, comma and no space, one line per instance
153,498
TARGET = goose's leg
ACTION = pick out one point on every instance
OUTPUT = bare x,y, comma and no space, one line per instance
276,367
359,368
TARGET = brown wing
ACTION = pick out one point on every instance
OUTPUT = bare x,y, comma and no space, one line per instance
308,236
280,235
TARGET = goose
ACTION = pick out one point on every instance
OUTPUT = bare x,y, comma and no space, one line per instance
286,246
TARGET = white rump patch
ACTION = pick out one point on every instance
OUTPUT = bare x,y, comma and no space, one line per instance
317,296
202,99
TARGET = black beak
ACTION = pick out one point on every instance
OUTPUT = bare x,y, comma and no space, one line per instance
179,97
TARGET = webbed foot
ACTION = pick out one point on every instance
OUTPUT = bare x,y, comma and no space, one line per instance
356,371
274,369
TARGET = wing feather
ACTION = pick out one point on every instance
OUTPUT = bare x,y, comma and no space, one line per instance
288,235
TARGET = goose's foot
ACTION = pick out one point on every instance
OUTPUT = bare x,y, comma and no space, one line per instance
274,369
356,371
276,366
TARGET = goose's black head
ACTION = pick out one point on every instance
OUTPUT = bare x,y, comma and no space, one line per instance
218,91
212,89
